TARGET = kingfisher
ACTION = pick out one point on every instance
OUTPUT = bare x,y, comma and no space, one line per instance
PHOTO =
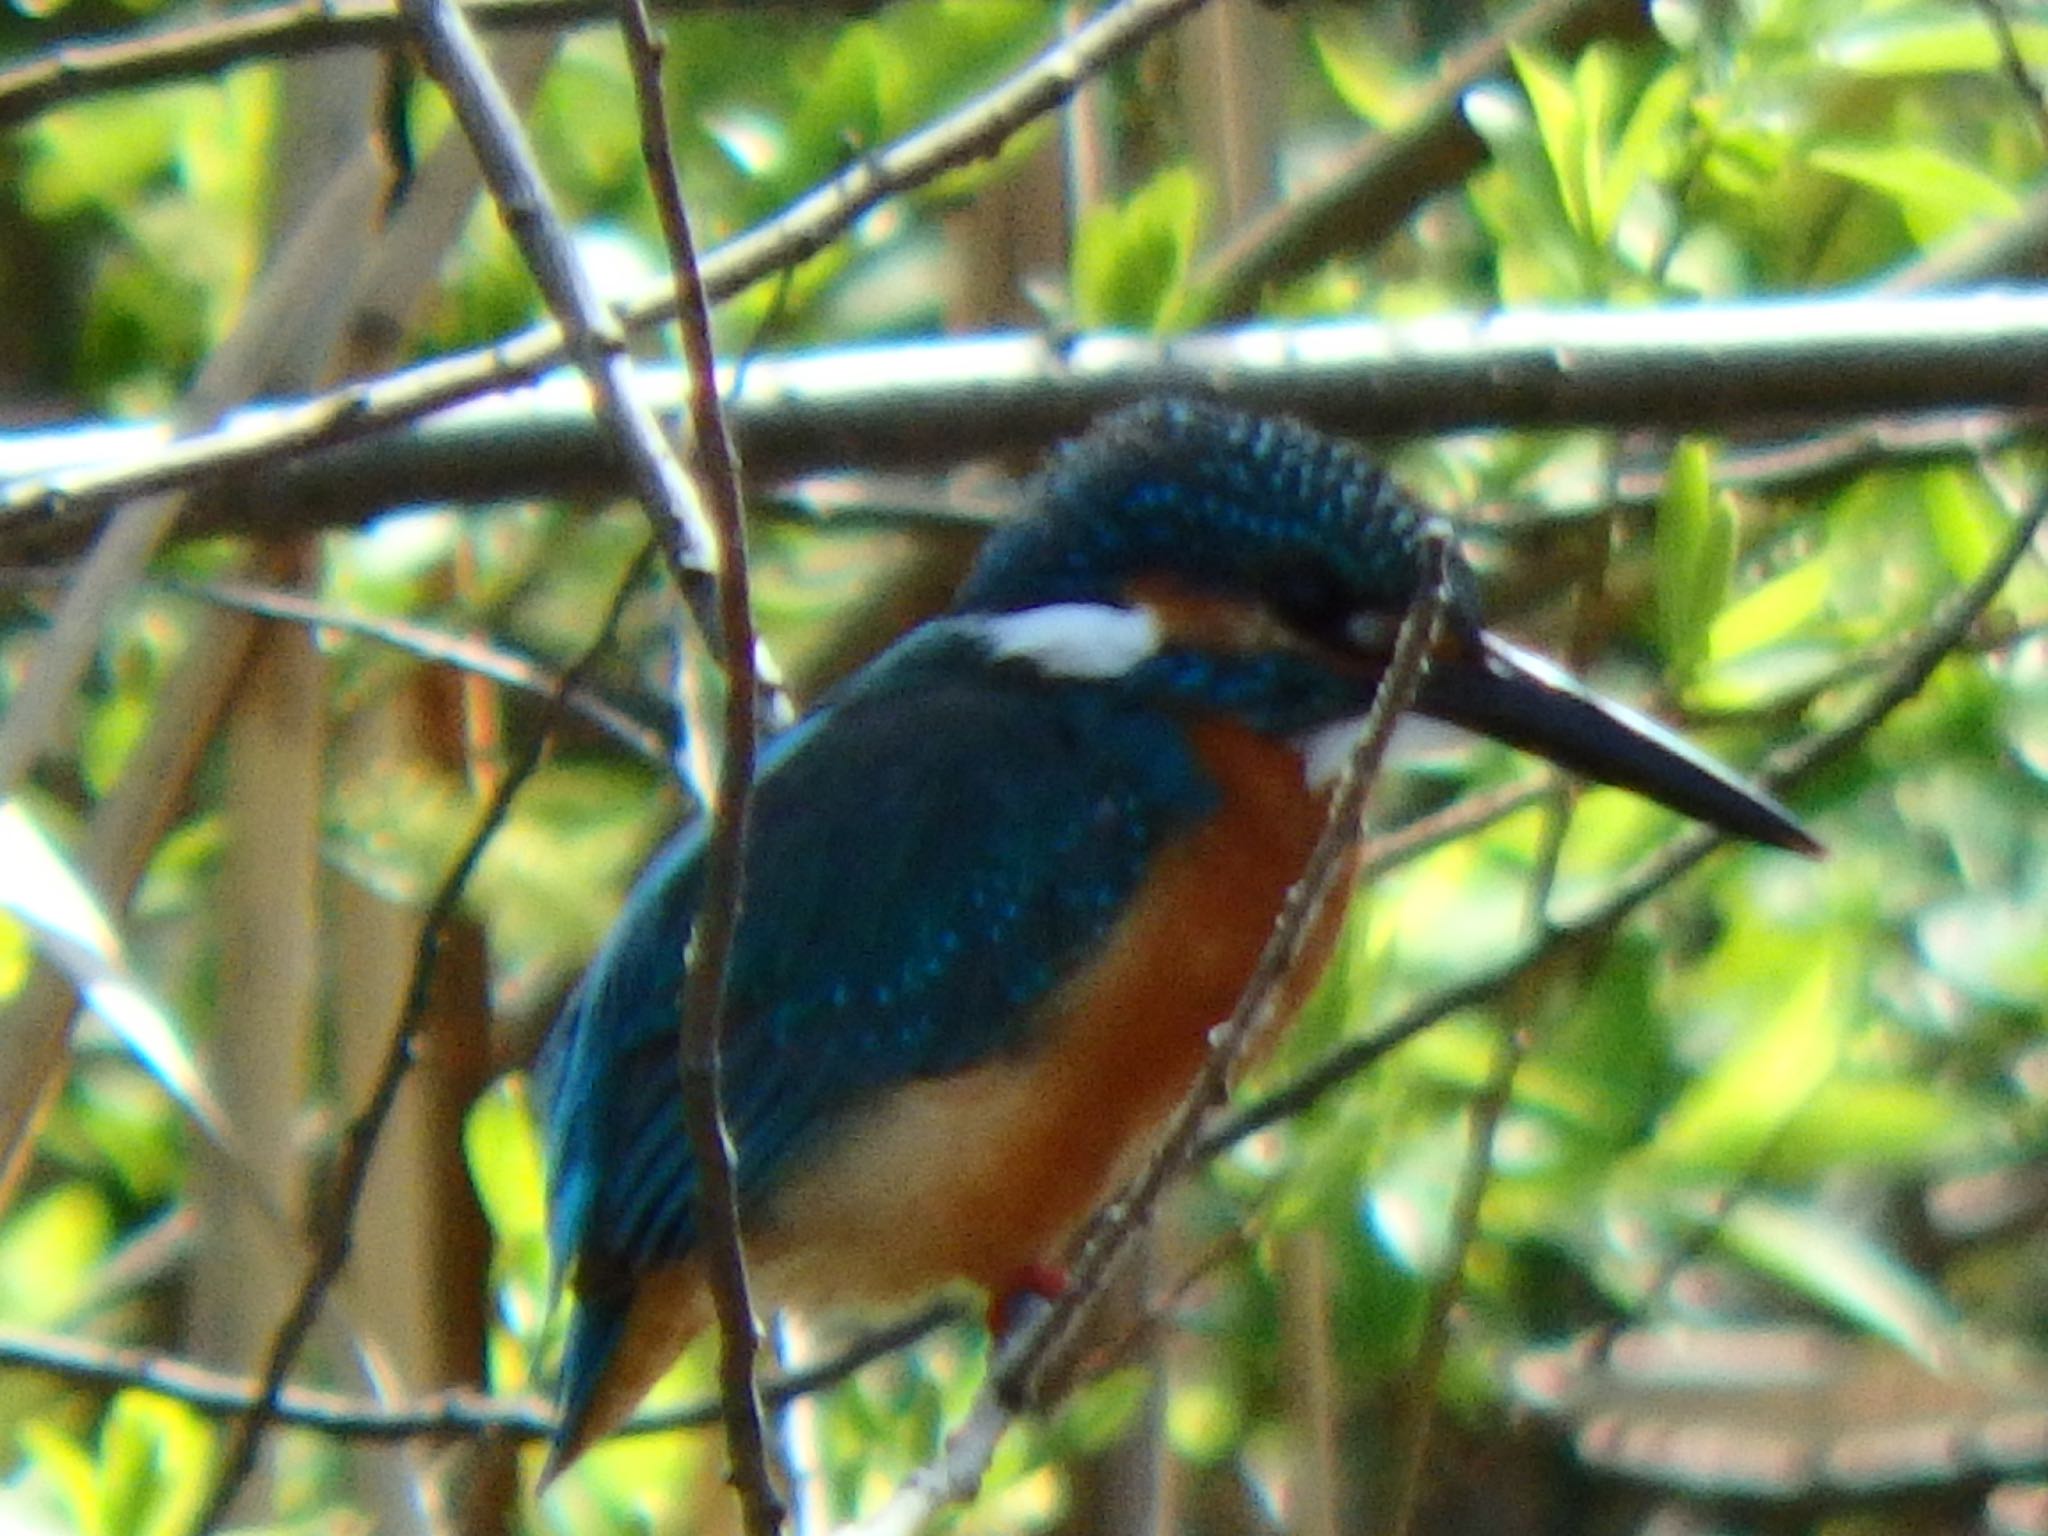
1004,882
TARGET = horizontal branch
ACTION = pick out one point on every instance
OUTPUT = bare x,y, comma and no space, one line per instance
1708,367
458,1412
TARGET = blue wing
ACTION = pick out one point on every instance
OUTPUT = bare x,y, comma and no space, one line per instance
929,857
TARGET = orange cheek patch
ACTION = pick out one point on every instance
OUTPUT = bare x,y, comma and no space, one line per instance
1202,621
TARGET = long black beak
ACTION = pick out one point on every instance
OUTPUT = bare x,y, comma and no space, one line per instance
1514,696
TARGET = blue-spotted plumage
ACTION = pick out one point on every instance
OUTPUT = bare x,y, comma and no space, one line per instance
1052,827
1224,500
928,857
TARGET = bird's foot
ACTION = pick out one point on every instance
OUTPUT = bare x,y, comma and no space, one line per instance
1027,1294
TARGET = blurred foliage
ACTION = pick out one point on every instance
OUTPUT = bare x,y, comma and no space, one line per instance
1788,1091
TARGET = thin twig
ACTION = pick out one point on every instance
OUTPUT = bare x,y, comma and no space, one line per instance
976,131
715,477
459,1412
474,653
80,71
2014,63
1426,1370
592,335
1256,1011
335,1214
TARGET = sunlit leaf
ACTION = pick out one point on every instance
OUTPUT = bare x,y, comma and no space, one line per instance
1728,1117
1926,41
1696,539
505,1161
1832,1262
1781,609
156,1466
47,1250
1561,125
1646,144
38,885
1358,64
1935,193
57,1489
1968,526
1131,261
1872,1123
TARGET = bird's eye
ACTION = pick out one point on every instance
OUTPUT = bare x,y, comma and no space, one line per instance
1313,600
1372,632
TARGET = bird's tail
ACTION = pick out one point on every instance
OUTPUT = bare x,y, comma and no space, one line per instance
620,1343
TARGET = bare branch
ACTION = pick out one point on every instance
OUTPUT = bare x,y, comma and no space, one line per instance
976,131
456,1413
78,71
715,477
1699,367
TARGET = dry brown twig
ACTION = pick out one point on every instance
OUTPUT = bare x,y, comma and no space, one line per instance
715,476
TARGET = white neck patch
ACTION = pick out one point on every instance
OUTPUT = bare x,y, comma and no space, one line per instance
1087,640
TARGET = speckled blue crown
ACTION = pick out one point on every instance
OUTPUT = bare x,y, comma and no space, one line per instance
1225,501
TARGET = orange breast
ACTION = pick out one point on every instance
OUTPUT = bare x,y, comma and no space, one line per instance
980,1174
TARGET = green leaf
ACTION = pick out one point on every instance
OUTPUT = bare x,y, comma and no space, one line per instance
1601,85
1730,1116
1695,556
1360,68
505,1161
1870,1124
1936,194
1131,261
1833,1263
1956,41
156,1459
48,1248
60,1470
1969,529
1540,255
1654,135
1563,130
38,885
1783,609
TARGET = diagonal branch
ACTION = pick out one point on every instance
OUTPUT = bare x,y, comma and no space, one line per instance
976,131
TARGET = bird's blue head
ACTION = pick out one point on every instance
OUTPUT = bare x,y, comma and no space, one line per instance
1223,505
1211,559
